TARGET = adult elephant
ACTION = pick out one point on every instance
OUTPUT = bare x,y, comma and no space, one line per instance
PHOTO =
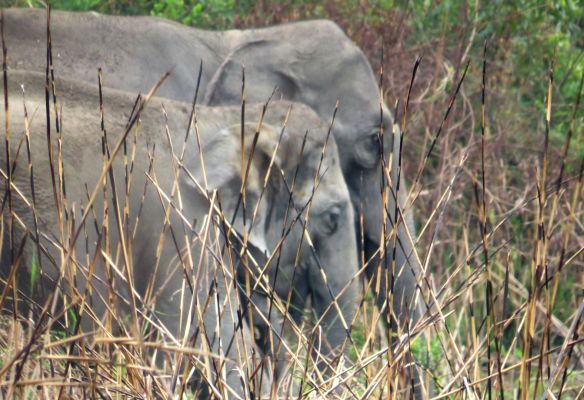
151,232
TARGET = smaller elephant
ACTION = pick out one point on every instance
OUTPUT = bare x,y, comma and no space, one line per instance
146,237
149,244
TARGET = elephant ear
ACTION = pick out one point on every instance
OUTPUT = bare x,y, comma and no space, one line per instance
218,166
267,65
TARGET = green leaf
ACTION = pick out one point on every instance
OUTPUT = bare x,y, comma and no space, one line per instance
34,269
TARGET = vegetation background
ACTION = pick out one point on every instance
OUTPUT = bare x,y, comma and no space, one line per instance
530,46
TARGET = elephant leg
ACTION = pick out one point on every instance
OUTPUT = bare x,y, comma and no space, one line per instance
247,346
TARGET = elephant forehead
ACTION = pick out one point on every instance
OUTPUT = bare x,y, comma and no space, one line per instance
317,173
372,121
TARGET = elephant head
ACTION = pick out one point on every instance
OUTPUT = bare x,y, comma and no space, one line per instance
311,246
181,209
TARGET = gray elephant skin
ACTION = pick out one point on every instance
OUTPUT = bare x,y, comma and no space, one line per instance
166,241
311,62
134,52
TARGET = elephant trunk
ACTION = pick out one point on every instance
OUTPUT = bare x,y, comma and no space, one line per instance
396,276
335,285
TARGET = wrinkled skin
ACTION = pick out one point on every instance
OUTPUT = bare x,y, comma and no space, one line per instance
219,133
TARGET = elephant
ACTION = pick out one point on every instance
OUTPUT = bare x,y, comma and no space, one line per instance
162,219
319,67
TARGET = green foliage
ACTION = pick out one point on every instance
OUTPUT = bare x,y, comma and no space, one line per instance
34,269
211,14
525,38
72,313
129,7
359,336
426,352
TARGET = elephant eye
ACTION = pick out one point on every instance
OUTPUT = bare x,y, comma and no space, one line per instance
367,149
373,142
331,219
